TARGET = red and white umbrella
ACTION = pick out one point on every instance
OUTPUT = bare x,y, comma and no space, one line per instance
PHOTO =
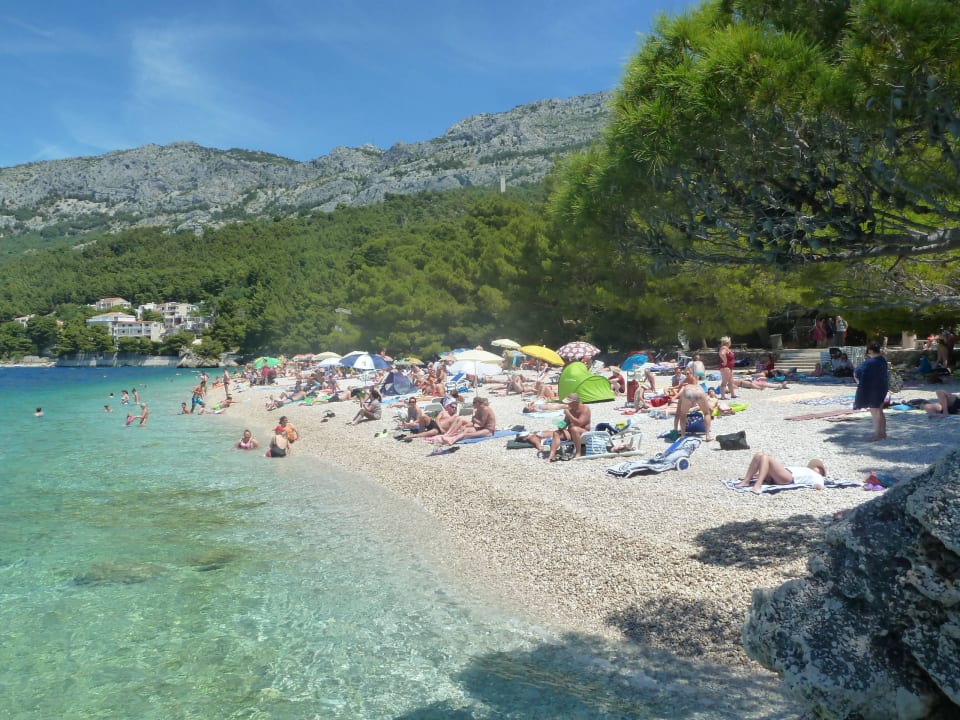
577,349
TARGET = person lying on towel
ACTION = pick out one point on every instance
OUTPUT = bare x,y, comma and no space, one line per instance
766,469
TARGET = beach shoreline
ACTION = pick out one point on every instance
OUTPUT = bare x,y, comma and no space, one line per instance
668,561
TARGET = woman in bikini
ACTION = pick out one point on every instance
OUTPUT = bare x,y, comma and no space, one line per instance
689,396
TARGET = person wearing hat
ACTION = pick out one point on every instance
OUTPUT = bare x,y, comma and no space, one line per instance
576,421
766,469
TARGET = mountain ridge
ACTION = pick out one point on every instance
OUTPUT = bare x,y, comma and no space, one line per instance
185,186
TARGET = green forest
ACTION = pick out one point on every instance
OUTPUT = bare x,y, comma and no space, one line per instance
764,161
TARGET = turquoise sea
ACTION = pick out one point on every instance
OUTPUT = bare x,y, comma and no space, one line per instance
155,572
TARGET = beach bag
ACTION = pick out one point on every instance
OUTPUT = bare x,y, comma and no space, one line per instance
659,401
733,441
566,451
695,423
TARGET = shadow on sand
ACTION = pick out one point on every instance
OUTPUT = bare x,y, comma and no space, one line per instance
586,677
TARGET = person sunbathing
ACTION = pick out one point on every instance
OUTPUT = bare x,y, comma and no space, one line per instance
513,386
767,470
535,406
482,424
947,404
448,422
417,420
545,391
370,408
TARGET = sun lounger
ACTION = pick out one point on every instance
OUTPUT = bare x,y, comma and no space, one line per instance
599,444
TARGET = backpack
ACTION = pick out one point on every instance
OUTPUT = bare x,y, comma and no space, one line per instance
566,451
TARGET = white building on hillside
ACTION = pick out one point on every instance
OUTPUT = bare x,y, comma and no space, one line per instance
174,314
122,325
109,303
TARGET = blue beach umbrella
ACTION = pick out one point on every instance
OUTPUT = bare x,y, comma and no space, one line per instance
364,361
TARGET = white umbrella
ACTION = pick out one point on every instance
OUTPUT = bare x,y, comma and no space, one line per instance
326,356
329,362
491,363
480,356
506,343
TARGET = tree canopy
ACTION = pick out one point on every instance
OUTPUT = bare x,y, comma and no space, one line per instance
786,134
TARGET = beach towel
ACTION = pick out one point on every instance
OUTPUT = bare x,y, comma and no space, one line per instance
497,434
829,483
820,415
550,414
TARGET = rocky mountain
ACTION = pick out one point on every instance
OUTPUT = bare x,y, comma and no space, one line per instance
186,186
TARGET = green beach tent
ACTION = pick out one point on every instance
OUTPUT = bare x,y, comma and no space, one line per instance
576,377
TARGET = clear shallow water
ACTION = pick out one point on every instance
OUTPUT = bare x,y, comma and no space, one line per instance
154,572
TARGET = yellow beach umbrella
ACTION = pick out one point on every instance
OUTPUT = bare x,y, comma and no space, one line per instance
542,353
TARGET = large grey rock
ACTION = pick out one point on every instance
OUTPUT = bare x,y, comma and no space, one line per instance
874,630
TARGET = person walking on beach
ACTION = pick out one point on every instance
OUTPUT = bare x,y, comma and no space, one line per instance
873,384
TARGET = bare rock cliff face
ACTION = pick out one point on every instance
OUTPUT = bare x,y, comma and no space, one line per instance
874,630
186,186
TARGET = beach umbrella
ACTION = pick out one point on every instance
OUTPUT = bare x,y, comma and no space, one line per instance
364,361
326,356
481,362
542,353
479,356
268,361
329,362
577,349
506,343
634,361
407,361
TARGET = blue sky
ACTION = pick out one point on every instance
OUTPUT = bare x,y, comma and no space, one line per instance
293,77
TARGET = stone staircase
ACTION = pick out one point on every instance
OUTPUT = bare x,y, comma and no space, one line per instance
804,359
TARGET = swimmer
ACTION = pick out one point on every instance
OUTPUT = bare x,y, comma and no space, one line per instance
38,412
247,441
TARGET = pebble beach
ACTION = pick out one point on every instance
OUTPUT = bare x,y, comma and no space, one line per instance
668,560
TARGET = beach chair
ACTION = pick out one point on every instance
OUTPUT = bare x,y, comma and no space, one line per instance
599,444
675,457
826,362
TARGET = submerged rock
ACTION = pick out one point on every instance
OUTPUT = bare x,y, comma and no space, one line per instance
122,573
874,630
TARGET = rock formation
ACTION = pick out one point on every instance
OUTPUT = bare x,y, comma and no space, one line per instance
184,186
874,630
